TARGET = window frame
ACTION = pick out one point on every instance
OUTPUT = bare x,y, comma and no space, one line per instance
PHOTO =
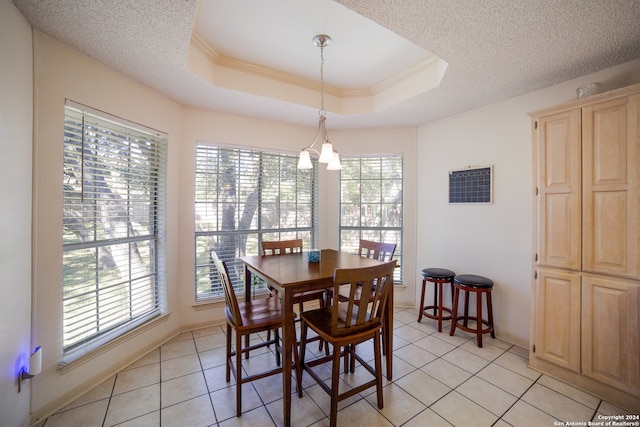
368,231
260,228
129,162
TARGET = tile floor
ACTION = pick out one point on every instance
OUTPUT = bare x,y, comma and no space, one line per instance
438,381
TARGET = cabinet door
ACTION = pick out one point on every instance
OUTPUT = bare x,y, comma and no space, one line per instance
559,190
610,345
610,185
557,318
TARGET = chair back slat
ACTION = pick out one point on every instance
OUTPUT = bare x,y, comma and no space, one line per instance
377,250
229,293
281,247
361,313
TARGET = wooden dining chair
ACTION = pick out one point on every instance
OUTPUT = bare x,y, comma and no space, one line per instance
368,249
347,323
377,250
283,247
246,318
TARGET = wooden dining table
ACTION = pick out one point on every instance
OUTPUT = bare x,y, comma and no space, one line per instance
293,273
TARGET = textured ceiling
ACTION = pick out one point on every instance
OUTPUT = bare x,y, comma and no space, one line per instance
496,49
367,68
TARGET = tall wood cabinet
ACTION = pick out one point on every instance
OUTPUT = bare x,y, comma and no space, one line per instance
586,286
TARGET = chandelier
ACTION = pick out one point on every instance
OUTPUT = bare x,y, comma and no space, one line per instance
327,154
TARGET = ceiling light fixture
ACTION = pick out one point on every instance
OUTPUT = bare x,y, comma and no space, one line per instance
327,154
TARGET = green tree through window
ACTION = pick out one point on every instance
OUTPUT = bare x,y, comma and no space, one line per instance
371,203
244,196
113,227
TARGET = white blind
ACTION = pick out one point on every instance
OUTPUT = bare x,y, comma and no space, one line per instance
244,196
114,187
371,204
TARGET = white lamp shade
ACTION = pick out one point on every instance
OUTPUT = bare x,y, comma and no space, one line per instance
327,152
304,161
334,164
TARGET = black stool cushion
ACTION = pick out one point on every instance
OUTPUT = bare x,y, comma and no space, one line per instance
438,273
473,281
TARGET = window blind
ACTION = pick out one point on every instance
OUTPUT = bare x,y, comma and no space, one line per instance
244,196
371,204
114,186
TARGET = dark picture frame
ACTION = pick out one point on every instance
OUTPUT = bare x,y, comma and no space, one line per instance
471,185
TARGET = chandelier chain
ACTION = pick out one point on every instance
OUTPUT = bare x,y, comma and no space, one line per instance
327,154
322,110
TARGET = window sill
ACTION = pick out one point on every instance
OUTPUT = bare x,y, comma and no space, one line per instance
208,304
64,367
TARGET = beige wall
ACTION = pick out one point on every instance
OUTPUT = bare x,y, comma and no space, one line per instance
491,240
63,73
16,106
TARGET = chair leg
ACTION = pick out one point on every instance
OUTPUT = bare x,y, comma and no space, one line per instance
352,358
454,311
347,365
378,366
269,331
435,299
228,358
452,291
479,318
300,362
335,380
439,285
466,308
321,342
424,285
349,359
296,365
246,344
239,374
276,335
490,314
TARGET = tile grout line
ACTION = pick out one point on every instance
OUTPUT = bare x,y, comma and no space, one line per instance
206,383
113,387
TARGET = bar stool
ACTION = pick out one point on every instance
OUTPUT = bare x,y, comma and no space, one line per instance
438,276
478,285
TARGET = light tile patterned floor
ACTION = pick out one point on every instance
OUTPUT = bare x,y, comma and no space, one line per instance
438,381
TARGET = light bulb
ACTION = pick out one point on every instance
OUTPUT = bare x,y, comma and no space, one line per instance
304,161
334,164
327,152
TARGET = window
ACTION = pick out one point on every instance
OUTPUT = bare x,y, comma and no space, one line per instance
244,196
371,203
113,227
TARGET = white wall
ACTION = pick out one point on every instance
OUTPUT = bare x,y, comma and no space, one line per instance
16,106
491,240
63,73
